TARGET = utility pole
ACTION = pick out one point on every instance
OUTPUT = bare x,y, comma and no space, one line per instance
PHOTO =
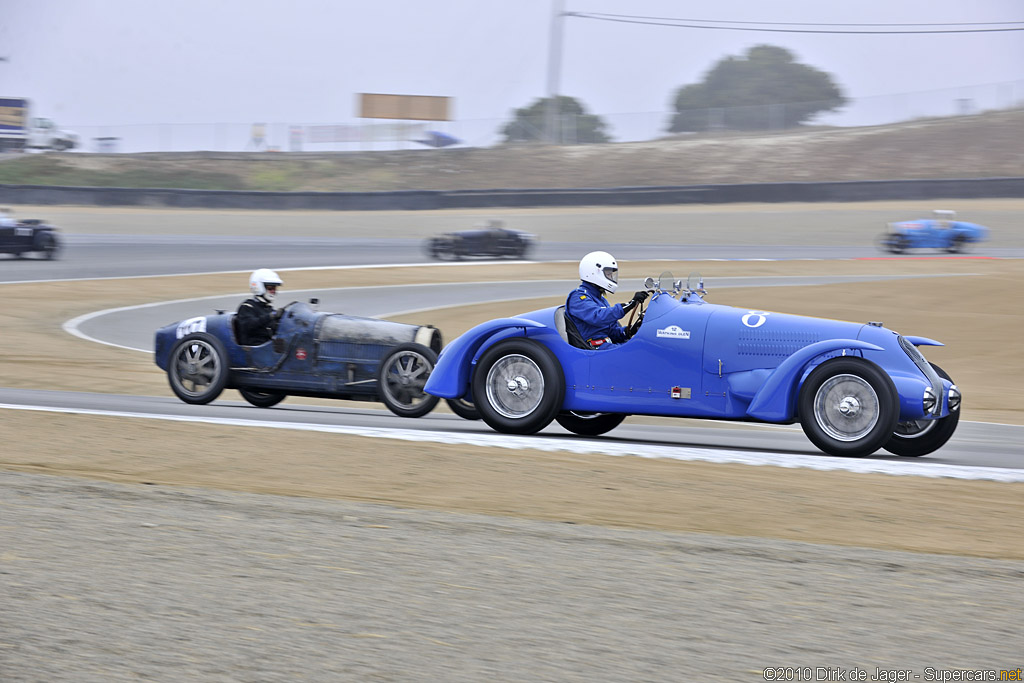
551,113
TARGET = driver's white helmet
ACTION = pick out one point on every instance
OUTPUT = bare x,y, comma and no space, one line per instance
599,268
264,283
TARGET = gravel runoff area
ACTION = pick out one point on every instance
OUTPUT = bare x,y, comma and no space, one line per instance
106,582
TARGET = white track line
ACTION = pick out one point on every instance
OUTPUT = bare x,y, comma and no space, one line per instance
573,445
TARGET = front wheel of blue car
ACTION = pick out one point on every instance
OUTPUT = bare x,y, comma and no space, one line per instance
848,407
401,378
915,438
518,386
198,368
589,424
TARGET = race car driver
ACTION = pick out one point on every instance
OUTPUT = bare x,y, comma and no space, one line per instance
596,319
256,320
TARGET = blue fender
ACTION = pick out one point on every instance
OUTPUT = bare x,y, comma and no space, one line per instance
450,377
922,341
775,401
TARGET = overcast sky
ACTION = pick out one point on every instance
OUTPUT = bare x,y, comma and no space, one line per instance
94,62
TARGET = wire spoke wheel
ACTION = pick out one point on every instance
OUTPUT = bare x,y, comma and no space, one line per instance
198,370
515,386
402,377
518,386
846,407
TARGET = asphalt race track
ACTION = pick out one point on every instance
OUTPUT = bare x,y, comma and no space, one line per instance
975,445
94,256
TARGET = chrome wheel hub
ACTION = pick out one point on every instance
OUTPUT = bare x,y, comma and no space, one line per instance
849,406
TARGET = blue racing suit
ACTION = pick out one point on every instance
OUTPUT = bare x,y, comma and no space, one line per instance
595,318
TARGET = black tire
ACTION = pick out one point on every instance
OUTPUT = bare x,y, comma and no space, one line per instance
48,246
848,407
957,244
262,399
198,368
589,424
518,386
921,437
464,408
401,377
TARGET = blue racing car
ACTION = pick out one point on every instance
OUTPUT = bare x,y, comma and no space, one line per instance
938,232
853,387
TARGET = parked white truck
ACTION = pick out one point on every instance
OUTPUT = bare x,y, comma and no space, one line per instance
19,132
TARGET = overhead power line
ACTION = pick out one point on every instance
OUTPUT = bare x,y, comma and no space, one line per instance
775,27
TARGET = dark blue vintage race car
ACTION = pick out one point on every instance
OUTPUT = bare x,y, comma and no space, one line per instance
853,387
490,240
20,237
938,232
325,355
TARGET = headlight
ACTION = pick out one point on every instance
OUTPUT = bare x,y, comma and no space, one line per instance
929,400
954,398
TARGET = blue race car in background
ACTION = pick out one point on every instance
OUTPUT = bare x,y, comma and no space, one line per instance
324,355
853,387
938,232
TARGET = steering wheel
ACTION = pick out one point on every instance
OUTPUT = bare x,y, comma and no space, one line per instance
630,329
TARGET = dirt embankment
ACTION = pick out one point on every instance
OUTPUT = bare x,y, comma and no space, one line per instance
988,145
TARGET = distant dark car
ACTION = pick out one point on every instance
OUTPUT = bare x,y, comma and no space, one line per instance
21,237
487,241
938,232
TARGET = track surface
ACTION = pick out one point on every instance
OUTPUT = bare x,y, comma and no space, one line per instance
93,256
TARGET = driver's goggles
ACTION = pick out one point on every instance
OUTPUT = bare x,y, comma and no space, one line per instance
612,274
271,287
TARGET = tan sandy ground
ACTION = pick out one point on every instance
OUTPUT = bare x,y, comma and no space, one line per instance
974,314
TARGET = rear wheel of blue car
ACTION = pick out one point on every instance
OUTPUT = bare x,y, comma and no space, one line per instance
915,438
589,424
262,399
848,407
198,368
401,377
518,386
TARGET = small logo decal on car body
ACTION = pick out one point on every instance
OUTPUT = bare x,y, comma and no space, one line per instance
755,318
300,354
680,392
191,326
674,332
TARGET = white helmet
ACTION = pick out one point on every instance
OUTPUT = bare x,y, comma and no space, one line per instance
599,268
264,283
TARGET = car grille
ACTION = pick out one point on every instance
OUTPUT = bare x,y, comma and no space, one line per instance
925,367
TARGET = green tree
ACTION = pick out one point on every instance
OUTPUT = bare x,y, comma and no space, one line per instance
763,89
572,123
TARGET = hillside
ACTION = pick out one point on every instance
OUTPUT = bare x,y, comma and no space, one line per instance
985,145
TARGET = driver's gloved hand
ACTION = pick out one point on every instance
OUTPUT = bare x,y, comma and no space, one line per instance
638,298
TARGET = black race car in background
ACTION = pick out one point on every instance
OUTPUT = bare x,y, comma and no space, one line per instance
490,240
21,237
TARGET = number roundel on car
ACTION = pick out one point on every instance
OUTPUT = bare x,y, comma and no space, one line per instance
755,318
